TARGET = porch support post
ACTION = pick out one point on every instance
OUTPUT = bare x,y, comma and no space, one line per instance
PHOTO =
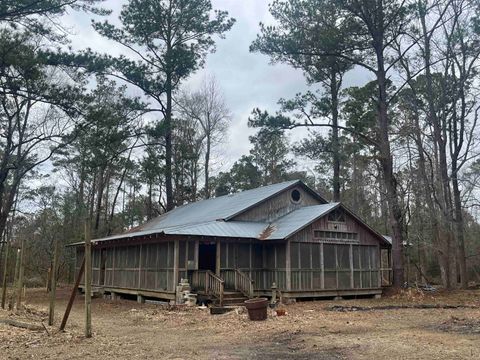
176,246
197,246
322,267
217,258
351,266
288,267
140,268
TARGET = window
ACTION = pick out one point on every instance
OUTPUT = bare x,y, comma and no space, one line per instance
295,196
336,236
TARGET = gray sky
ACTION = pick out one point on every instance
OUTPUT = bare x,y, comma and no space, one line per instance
247,79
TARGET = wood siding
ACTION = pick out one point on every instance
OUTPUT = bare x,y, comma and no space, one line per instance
278,206
351,225
147,266
264,263
321,263
302,263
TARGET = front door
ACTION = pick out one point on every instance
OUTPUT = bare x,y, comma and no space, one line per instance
207,255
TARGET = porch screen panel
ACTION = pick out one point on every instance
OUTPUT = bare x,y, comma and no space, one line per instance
375,266
316,266
357,273
257,274
79,255
149,266
330,266
164,270
191,254
231,256
306,266
366,266
280,265
295,265
182,254
365,261
109,266
243,256
223,255
95,266
343,267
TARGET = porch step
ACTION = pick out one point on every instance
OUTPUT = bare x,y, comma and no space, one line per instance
235,301
232,294
233,298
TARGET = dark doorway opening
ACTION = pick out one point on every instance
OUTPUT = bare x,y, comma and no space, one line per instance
207,257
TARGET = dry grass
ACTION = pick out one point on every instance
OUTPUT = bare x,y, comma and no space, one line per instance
127,330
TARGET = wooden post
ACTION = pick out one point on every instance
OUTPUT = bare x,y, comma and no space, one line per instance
53,283
88,280
17,267
322,267
72,295
139,268
49,280
352,284
21,271
4,280
176,249
217,258
197,245
288,266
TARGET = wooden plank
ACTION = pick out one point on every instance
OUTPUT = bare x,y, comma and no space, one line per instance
197,246
72,295
352,284
288,266
176,246
140,267
88,281
322,267
53,283
217,258
5,270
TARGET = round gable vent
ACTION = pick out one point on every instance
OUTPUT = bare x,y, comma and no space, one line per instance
295,196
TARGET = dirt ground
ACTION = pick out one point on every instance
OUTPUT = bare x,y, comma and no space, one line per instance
124,329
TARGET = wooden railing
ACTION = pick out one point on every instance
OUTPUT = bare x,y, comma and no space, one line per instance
209,282
238,280
214,285
243,283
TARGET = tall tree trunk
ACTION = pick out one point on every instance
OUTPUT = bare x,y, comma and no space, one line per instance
5,272
386,162
459,224
207,167
88,280
335,141
439,136
53,283
98,206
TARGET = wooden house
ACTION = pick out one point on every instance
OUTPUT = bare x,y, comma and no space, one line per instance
243,243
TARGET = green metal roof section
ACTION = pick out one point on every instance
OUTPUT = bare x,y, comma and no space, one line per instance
212,217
